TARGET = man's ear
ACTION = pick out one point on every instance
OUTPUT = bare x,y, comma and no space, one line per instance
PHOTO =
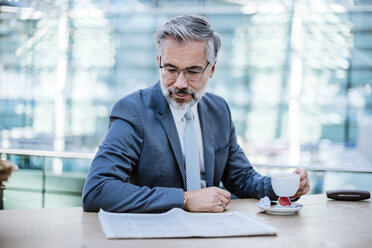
213,68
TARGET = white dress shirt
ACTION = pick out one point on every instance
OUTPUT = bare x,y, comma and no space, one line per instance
179,120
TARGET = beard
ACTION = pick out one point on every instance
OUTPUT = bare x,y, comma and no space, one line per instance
180,103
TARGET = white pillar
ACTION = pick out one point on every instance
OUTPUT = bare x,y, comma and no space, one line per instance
61,76
60,100
295,83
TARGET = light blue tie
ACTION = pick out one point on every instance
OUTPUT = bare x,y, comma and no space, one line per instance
192,164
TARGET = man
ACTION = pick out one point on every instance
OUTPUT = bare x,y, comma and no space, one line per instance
171,145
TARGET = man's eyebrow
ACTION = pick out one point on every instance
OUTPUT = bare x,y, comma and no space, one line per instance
170,65
191,67
195,67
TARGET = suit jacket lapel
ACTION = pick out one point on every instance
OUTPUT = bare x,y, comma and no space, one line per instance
208,141
166,119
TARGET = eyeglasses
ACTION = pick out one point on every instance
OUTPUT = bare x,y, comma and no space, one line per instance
170,72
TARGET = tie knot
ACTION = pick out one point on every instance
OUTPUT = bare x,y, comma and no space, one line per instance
189,115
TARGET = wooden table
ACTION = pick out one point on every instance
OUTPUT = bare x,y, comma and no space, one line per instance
321,223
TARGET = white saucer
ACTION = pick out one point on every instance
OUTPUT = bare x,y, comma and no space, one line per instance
279,210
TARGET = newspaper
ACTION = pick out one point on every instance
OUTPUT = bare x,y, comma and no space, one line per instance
178,223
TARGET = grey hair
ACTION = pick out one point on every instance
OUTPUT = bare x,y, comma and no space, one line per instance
189,28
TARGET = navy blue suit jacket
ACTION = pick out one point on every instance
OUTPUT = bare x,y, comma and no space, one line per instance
140,165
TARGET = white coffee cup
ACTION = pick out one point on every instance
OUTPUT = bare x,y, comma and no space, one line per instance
285,184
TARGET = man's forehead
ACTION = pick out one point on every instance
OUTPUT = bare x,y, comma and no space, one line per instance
193,52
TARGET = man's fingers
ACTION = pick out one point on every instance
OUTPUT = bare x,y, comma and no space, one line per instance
302,191
225,201
224,193
302,172
304,186
222,199
216,209
304,182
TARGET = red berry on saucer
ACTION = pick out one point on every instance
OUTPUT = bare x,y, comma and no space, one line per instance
284,201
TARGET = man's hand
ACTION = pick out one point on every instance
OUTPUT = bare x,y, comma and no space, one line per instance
304,183
212,199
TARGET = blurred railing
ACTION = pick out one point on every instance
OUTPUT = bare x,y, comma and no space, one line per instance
315,168
56,179
76,155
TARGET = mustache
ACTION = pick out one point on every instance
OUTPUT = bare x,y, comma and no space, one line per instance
183,91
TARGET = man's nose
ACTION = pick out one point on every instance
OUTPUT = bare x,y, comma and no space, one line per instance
181,81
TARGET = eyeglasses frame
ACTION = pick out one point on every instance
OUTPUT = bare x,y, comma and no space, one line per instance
182,70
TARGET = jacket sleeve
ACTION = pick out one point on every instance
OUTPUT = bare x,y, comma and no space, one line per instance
108,182
239,176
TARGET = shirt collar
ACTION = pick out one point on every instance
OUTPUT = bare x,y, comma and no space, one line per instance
178,114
